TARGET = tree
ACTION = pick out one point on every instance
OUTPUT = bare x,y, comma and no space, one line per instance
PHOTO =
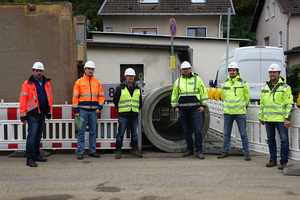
293,78
241,22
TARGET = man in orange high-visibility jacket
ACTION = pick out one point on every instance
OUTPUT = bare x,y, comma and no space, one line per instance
88,100
35,104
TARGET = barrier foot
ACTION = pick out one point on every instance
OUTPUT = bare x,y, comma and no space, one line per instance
17,154
292,170
22,154
45,153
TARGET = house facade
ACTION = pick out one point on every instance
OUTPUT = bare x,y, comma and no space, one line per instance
277,23
150,55
136,34
194,18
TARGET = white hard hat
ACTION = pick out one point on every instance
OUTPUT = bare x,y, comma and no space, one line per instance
89,64
38,65
274,67
185,64
129,71
233,65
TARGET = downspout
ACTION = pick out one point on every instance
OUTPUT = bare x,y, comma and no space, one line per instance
287,32
220,22
253,39
287,37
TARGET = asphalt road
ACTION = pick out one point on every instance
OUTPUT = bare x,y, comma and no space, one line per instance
156,176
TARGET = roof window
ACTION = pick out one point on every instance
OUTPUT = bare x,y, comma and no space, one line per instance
198,1
149,1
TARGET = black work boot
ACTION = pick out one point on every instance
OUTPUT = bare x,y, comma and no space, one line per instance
188,153
118,153
31,163
137,153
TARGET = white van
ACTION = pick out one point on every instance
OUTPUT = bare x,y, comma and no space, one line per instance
254,62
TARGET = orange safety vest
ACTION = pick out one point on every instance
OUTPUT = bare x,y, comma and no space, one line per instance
29,103
87,93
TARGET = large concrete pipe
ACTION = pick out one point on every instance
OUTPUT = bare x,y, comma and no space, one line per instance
162,125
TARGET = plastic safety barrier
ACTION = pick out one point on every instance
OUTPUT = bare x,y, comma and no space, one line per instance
257,135
59,132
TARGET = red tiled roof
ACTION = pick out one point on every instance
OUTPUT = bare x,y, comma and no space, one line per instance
289,6
165,7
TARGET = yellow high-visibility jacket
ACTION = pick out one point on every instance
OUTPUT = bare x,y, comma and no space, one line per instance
276,104
189,92
236,95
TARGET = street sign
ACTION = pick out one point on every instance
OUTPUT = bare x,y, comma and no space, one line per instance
173,27
172,62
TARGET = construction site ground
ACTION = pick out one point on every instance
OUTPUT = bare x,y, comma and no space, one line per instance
156,176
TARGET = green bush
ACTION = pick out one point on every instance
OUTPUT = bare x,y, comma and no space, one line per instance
293,78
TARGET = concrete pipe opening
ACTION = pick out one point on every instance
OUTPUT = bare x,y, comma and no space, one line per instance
162,125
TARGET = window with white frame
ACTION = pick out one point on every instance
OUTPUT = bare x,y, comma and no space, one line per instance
149,1
145,31
273,9
266,41
198,1
196,31
267,12
109,29
280,39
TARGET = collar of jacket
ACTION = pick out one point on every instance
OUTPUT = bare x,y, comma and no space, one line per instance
280,80
135,85
87,77
238,77
31,79
191,75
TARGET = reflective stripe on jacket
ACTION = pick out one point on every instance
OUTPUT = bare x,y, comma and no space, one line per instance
276,104
189,92
29,103
88,94
129,103
236,95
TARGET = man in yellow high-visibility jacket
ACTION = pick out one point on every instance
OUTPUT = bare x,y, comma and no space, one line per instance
189,98
128,101
88,100
236,95
276,102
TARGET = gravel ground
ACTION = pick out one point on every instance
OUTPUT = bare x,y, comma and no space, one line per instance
156,176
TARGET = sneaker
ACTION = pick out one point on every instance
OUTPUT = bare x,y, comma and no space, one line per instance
188,153
118,153
223,155
136,153
271,163
247,157
200,155
282,165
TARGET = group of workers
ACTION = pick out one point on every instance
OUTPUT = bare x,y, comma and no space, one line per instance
88,98
189,99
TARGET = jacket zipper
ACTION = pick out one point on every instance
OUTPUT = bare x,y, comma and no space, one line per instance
90,92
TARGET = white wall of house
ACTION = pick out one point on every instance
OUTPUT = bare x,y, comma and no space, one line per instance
271,27
126,23
156,63
274,25
207,54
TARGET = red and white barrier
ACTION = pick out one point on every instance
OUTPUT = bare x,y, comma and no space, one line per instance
59,132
